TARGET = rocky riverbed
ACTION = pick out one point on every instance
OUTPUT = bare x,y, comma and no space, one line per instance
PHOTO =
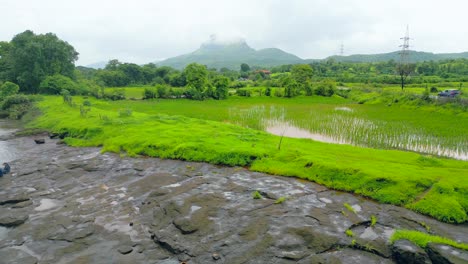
77,205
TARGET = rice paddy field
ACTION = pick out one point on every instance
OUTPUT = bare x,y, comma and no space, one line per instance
407,156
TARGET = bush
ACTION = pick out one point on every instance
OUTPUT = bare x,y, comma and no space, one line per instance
243,92
278,93
54,84
326,88
115,94
15,100
434,89
150,93
7,89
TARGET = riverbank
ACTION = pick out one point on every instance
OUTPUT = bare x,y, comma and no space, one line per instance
423,183
76,205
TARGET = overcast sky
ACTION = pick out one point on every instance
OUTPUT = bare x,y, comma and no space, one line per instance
143,31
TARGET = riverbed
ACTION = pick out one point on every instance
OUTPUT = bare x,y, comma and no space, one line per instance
78,205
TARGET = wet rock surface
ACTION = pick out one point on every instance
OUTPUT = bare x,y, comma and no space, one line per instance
76,205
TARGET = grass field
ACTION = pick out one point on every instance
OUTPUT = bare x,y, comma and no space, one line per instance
374,125
207,131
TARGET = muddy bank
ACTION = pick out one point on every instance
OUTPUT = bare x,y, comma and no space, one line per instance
70,205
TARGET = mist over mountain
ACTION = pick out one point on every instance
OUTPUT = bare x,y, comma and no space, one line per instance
218,54
232,53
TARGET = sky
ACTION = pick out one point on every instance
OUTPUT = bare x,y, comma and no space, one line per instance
142,31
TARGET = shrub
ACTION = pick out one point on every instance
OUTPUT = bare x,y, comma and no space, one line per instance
278,93
243,92
115,94
16,99
7,89
326,88
150,93
268,91
55,83
434,89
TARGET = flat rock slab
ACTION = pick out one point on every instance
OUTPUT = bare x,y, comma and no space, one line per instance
13,219
446,254
77,205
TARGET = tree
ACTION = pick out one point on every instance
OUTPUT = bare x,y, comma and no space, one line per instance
31,58
292,88
404,70
245,67
221,87
7,89
301,73
197,77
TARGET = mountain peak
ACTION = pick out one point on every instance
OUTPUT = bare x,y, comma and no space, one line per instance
216,42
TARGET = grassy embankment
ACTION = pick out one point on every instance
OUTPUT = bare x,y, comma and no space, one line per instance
433,186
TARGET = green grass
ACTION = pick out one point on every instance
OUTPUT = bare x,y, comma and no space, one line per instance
349,233
373,219
280,200
431,131
349,207
256,195
422,239
430,185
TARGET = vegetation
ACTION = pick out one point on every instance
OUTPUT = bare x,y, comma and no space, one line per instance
422,239
358,105
257,195
429,185
280,200
349,233
373,219
349,207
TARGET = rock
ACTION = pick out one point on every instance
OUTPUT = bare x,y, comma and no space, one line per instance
12,220
404,251
216,256
22,204
16,256
446,254
39,140
185,225
125,249
292,255
13,198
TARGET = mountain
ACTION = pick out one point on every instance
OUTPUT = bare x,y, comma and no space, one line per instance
97,65
414,56
231,55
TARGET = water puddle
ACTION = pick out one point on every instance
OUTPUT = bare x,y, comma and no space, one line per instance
288,130
3,232
47,204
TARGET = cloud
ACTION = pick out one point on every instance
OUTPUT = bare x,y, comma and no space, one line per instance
143,30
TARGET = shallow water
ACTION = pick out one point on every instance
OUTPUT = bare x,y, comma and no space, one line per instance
288,130
7,150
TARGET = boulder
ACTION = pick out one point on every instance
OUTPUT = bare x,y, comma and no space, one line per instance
446,254
404,251
39,140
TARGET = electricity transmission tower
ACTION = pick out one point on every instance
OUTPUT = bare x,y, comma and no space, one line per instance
404,68
404,53
342,49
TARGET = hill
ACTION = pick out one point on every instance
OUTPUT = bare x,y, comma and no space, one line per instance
232,55
414,56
